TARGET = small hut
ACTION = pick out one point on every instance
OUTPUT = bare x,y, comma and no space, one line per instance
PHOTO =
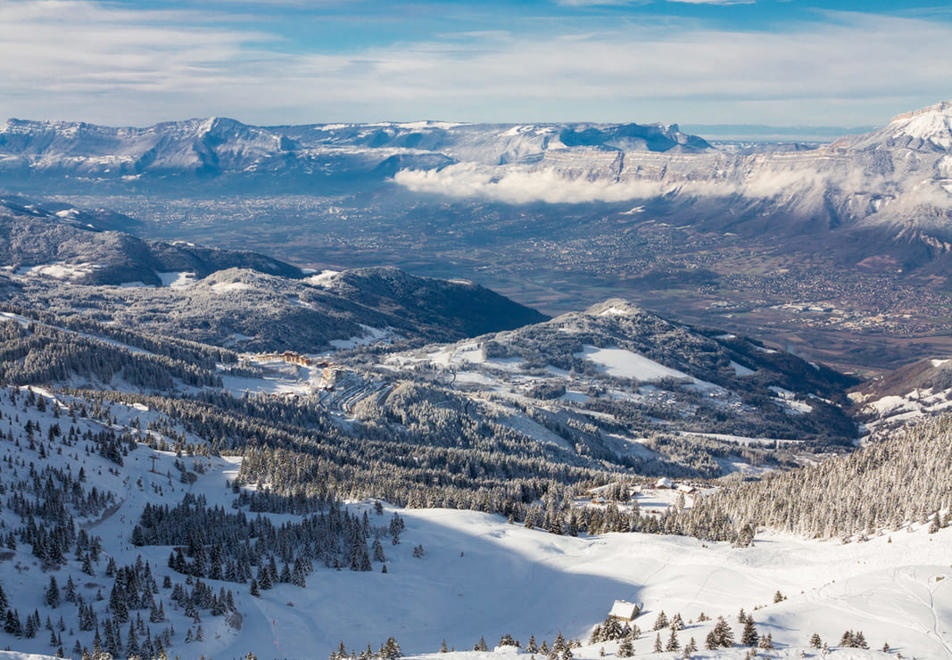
624,611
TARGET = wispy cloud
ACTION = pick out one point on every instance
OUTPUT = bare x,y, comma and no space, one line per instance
87,60
61,53
715,2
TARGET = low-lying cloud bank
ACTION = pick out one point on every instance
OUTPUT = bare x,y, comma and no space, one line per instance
803,188
522,186
525,185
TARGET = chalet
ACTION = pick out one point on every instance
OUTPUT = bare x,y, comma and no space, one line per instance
624,611
687,489
664,482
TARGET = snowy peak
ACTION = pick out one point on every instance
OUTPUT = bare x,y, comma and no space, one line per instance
615,307
926,129
241,138
931,125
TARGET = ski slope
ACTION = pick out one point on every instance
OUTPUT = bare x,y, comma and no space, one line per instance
483,577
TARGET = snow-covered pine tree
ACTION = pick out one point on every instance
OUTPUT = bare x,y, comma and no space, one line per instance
52,597
673,644
749,637
626,649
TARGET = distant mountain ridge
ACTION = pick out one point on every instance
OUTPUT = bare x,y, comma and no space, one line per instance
217,146
884,196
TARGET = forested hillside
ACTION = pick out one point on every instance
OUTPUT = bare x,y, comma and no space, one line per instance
885,485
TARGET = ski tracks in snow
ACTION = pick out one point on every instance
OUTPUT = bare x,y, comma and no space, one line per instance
912,586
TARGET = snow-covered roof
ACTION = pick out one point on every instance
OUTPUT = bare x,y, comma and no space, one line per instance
624,610
664,482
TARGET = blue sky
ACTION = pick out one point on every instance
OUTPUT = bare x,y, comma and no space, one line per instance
844,63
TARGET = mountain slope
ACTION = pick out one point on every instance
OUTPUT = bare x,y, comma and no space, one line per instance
906,395
476,575
205,294
65,246
619,385
882,486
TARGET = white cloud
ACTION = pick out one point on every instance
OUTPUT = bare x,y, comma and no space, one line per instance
92,61
803,182
520,186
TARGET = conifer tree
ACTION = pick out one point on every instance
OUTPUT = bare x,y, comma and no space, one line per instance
677,623
69,593
52,598
390,650
860,640
626,649
507,640
673,644
723,635
532,647
749,636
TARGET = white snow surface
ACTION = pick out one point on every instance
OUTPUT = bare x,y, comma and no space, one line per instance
892,410
741,370
623,363
61,270
932,124
521,581
788,401
323,278
483,577
370,335
177,280
230,287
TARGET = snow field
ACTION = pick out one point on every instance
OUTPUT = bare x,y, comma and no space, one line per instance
622,363
520,581
483,577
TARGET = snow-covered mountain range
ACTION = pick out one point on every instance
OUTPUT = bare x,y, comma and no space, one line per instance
894,183
217,147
